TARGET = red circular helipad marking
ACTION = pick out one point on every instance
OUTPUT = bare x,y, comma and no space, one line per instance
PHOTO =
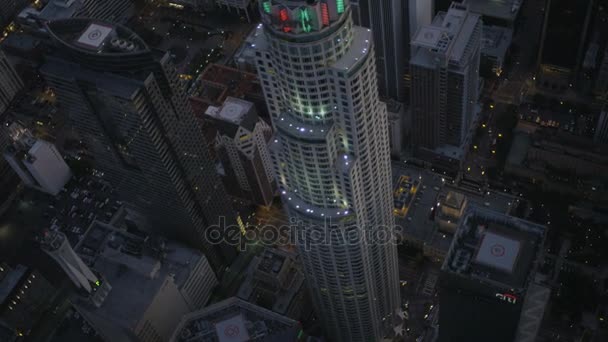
93,35
231,331
498,250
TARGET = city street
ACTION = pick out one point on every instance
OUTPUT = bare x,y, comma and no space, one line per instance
418,279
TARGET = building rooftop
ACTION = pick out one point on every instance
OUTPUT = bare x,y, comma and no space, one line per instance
271,262
276,276
357,52
124,259
446,39
20,41
218,82
89,36
454,199
495,248
246,52
496,40
234,320
232,111
498,251
95,36
9,279
60,9
501,9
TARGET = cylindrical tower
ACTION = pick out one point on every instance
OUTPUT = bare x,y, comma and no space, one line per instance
331,155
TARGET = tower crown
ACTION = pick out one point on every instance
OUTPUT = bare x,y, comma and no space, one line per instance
298,17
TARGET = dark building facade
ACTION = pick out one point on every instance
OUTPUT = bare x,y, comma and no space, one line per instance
241,143
125,102
488,282
564,37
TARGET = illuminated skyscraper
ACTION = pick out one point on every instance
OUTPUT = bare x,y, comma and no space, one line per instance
331,154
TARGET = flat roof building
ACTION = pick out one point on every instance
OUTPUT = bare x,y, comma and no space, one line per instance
444,67
497,12
275,280
241,144
495,45
235,320
116,11
489,279
218,82
126,103
154,283
25,296
37,162
10,82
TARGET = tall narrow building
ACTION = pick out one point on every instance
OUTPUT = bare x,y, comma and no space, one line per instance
445,78
393,23
37,162
241,144
10,83
331,154
125,102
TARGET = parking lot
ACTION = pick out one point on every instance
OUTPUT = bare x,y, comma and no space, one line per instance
419,221
404,194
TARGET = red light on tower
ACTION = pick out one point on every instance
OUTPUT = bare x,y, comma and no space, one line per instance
283,15
325,14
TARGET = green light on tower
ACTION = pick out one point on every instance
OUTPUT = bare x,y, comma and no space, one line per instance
305,20
340,5
266,5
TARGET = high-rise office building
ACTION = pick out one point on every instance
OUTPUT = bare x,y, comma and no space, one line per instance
235,320
126,103
393,23
332,160
445,78
241,142
25,299
57,246
37,162
154,283
563,42
109,10
10,82
8,9
10,85
601,129
489,287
